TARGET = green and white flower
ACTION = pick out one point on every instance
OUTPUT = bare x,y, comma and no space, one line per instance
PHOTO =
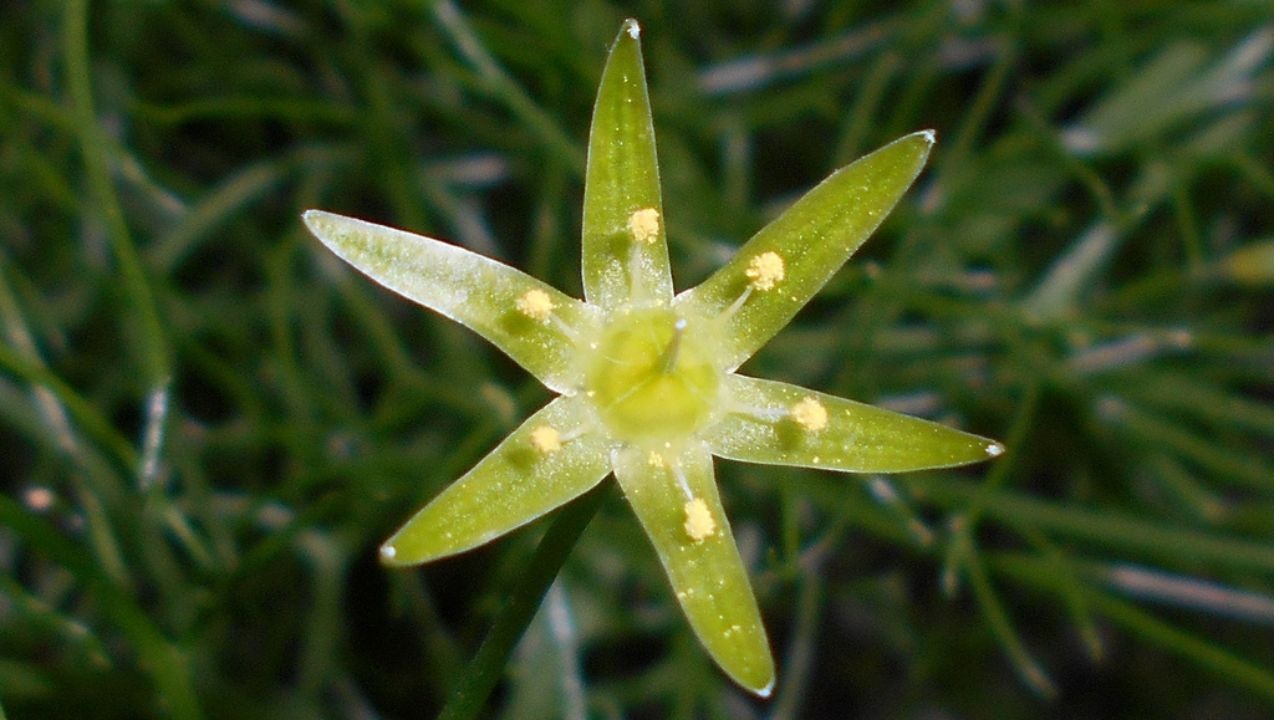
646,378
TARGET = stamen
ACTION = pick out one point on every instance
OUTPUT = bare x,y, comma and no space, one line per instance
538,306
535,304
760,414
698,523
643,225
684,484
737,304
809,414
545,439
766,270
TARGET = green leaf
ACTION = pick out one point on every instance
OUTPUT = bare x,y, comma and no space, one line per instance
624,236
516,483
780,424
812,239
483,294
700,557
1180,84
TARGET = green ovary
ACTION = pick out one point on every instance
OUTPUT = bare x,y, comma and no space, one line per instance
651,378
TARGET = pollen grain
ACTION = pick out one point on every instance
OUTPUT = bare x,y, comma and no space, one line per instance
545,439
535,304
810,414
766,270
643,225
698,523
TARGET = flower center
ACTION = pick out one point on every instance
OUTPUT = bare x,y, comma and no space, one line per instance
651,378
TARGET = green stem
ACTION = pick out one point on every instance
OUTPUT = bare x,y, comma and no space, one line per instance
482,674
502,88
80,409
165,662
155,358
1102,528
1139,623
153,349
998,619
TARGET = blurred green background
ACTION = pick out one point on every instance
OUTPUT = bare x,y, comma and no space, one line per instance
208,424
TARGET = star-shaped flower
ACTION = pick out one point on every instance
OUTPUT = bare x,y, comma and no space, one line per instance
647,381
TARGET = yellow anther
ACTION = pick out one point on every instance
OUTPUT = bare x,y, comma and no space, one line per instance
698,523
766,270
535,304
809,414
643,224
656,460
545,439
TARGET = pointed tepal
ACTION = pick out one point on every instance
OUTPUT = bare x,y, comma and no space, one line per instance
481,293
624,234
804,428
535,470
678,504
806,245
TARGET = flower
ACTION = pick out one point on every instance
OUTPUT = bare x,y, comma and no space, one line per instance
647,381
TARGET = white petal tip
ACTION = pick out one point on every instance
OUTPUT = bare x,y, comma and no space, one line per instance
995,450
388,553
311,218
767,690
929,136
632,27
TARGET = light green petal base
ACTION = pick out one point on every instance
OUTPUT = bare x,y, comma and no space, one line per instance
701,560
776,423
516,483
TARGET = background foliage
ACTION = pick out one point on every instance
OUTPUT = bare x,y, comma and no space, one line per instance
208,424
